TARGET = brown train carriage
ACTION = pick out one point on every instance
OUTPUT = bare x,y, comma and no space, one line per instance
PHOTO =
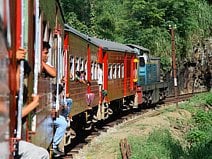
119,67
33,22
51,28
82,54
118,61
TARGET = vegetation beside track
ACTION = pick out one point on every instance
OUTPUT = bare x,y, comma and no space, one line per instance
167,132
197,134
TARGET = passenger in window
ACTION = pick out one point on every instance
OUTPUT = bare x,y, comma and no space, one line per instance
71,76
47,69
80,77
100,75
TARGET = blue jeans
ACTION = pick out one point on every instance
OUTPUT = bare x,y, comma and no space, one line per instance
68,103
61,125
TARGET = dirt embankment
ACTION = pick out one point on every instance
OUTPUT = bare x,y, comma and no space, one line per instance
106,146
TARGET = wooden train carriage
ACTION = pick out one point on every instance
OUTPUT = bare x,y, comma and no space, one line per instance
48,26
82,56
86,53
119,68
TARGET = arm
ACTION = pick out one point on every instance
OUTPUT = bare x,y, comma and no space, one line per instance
50,70
31,106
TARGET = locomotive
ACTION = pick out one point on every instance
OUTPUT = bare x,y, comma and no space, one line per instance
117,77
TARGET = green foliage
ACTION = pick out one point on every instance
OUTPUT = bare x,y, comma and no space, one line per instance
194,103
203,119
209,99
159,144
165,63
196,136
144,22
203,151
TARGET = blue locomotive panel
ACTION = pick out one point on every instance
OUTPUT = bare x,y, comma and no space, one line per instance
147,74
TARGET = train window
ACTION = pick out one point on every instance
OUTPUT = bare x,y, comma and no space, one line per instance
119,71
72,68
86,70
141,62
114,71
92,70
46,33
77,64
122,70
82,66
95,71
110,71
50,55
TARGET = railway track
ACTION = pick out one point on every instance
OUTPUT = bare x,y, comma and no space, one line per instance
130,115
180,98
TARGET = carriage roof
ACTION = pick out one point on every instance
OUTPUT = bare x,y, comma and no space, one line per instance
143,49
105,44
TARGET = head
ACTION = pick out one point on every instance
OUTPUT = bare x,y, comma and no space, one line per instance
45,51
82,73
77,73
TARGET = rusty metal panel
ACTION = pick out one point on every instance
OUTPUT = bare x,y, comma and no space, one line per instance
44,130
115,89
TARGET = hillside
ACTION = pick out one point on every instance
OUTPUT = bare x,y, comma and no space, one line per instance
167,132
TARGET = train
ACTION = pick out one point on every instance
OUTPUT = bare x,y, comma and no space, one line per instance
119,77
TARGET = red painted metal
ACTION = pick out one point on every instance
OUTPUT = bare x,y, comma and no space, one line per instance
66,62
88,66
105,71
12,73
100,55
132,67
66,46
140,94
125,75
18,24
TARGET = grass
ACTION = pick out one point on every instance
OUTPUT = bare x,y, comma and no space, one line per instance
160,144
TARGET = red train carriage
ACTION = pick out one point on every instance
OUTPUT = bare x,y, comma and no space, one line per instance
119,64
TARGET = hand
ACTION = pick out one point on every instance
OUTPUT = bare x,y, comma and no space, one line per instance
20,54
35,99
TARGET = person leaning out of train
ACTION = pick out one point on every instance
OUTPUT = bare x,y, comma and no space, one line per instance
25,149
59,121
20,55
80,76
47,69
67,102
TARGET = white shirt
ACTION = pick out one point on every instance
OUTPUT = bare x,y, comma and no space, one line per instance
100,76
